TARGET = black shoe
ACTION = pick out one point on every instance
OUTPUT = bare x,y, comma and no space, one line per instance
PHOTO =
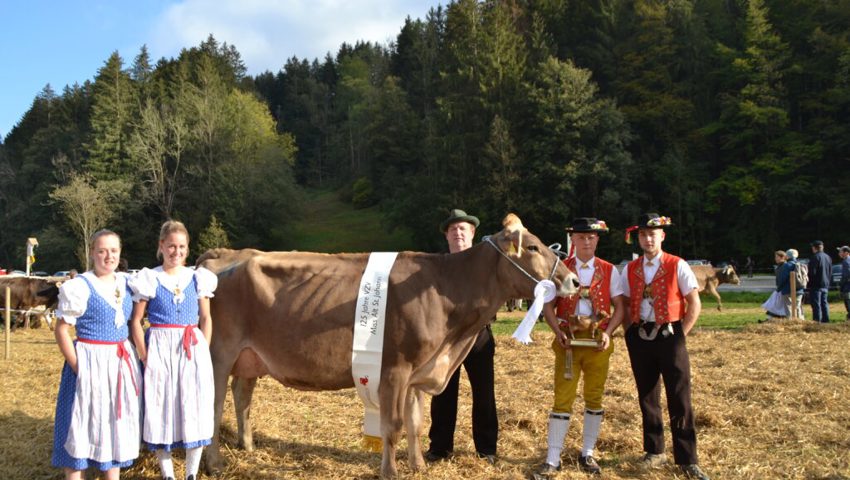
651,461
693,471
431,456
545,471
589,465
488,457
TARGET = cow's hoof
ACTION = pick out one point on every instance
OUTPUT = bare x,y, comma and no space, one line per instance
213,464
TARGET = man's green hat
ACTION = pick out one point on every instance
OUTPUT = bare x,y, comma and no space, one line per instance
458,215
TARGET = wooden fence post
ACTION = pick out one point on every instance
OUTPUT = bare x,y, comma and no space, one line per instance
794,293
8,316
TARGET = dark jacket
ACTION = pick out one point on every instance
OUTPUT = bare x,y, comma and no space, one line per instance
820,271
845,275
783,278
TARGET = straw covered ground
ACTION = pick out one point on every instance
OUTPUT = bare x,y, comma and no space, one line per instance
771,401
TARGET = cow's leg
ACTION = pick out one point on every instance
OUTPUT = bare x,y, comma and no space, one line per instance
393,396
712,289
413,424
222,365
243,390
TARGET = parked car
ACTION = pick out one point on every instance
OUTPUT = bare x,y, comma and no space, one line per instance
699,261
62,273
39,273
836,276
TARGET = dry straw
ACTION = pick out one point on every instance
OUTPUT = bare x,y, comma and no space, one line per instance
771,402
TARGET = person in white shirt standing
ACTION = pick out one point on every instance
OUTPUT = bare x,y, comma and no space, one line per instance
663,307
582,315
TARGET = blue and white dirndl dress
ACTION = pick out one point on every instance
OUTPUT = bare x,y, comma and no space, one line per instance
179,388
98,410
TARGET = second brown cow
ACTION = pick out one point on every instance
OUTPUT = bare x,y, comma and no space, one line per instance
710,277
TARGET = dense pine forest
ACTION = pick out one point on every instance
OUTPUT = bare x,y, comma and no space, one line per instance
730,116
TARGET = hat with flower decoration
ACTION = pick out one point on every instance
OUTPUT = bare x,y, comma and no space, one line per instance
648,220
587,225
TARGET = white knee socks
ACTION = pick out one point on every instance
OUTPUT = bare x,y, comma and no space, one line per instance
166,466
592,421
193,461
559,423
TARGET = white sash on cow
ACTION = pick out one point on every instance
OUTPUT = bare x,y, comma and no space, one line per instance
368,345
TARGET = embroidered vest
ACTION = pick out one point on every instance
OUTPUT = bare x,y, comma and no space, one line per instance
599,292
667,300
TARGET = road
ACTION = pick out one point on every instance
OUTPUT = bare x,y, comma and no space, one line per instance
759,283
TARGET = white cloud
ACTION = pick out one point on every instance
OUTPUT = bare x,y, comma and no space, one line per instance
268,32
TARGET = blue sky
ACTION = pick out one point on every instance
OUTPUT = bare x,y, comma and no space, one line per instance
64,42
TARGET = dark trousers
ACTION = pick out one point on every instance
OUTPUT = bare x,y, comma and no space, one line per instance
820,304
667,358
485,424
846,297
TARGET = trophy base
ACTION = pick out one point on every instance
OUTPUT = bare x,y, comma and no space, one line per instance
584,342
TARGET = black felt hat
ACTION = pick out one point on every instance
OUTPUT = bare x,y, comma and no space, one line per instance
587,225
653,220
648,220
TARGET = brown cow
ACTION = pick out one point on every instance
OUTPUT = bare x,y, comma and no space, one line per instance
27,293
291,315
709,278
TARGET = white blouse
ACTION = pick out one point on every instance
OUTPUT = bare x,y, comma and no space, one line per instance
145,283
74,296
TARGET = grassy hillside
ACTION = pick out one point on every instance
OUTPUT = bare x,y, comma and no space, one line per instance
330,225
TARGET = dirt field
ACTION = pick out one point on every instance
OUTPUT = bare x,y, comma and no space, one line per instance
771,402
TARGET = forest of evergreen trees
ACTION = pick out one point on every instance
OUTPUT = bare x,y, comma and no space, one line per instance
730,116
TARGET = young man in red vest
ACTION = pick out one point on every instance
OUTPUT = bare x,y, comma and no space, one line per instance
600,290
663,306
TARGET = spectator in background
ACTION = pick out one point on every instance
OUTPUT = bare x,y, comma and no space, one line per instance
791,266
775,306
749,266
820,274
844,284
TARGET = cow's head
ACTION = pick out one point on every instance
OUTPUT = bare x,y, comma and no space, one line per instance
728,275
530,257
46,293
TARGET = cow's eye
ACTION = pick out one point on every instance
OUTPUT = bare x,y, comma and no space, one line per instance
532,248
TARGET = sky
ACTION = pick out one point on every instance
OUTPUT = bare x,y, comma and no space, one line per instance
63,42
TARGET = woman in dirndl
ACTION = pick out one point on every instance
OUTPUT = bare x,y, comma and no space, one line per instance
179,391
98,410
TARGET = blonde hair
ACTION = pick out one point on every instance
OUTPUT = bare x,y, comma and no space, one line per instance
169,227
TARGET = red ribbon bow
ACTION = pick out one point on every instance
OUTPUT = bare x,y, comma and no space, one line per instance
629,231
